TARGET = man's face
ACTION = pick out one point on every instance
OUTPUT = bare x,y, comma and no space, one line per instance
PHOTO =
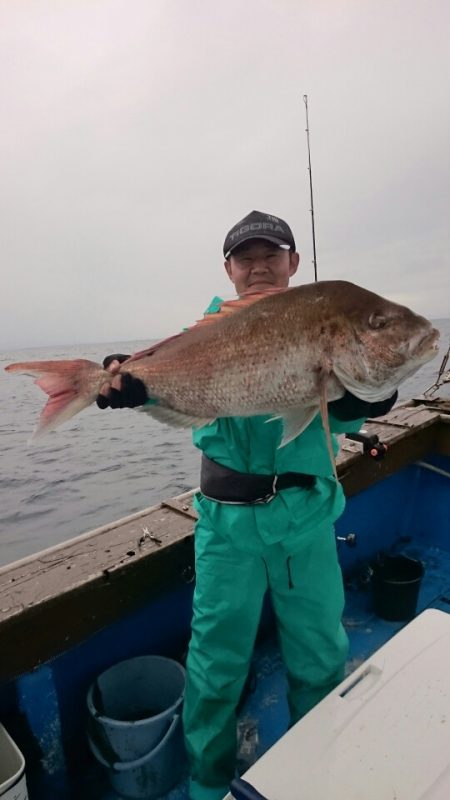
258,265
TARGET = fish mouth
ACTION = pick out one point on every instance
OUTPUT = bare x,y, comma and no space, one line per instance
428,344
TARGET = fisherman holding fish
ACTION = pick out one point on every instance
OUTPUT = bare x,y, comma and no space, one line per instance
249,539
262,380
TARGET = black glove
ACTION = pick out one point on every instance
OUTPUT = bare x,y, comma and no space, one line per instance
133,392
350,407
120,357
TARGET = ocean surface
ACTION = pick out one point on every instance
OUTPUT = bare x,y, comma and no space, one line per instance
101,465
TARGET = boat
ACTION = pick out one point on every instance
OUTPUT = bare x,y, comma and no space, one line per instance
70,612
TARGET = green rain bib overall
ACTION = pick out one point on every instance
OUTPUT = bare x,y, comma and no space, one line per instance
286,547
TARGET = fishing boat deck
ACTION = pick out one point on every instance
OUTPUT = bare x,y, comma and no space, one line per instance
68,613
264,716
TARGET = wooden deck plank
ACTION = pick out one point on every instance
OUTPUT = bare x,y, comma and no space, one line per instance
46,574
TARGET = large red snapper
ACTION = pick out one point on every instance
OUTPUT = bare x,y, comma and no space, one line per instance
284,353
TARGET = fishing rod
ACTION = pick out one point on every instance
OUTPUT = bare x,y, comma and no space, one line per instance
305,100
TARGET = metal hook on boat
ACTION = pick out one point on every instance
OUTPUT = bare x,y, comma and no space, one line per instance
147,535
442,377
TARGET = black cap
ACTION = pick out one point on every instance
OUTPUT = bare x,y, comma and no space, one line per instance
258,225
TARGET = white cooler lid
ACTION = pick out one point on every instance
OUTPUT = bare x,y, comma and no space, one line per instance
383,734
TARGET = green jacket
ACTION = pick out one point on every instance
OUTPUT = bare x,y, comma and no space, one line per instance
250,444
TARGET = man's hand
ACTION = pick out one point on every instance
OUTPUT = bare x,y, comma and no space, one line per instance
350,407
120,357
124,391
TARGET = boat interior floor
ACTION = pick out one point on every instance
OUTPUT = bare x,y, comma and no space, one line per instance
263,717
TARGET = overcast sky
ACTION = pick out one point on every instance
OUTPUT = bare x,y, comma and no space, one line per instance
135,133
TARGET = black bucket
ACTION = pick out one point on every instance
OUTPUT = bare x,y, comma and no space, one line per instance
396,582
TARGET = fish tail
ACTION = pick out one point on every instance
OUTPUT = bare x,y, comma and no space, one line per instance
70,385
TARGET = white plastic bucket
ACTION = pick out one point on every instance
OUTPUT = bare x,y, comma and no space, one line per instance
132,704
13,784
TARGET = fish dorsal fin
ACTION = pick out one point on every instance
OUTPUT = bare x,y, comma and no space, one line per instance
152,349
246,299
227,308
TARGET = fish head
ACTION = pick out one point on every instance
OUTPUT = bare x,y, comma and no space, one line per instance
390,343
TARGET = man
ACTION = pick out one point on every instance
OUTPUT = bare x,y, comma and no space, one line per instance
245,547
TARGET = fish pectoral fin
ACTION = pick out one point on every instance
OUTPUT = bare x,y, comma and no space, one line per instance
295,420
326,423
177,419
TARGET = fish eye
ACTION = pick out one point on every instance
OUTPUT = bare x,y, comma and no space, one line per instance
377,321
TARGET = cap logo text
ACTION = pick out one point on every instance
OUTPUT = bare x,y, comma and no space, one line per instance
257,226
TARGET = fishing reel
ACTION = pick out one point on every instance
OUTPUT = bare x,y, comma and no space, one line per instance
371,444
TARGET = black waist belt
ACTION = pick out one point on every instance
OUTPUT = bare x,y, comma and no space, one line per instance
229,486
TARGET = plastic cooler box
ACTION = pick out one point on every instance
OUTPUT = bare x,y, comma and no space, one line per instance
384,732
